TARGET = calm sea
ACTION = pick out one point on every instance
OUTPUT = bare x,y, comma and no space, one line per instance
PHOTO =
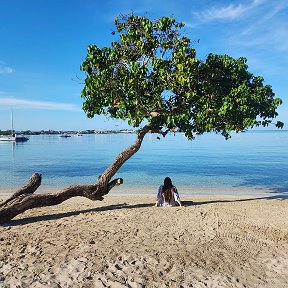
253,163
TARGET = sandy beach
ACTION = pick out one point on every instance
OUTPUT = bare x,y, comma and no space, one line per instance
124,241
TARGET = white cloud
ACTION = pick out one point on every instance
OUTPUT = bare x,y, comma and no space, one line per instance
5,69
15,103
274,37
228,12
260,23
267,28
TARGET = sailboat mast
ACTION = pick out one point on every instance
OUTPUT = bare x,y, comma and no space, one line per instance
12,128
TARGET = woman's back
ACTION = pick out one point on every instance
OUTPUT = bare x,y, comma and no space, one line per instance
168,194
168,197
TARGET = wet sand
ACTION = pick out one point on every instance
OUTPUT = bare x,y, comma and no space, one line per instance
124,241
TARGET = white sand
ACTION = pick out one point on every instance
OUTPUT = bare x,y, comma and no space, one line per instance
126,242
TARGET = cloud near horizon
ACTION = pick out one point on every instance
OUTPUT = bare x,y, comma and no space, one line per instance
10,102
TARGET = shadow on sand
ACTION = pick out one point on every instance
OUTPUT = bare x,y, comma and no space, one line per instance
57,216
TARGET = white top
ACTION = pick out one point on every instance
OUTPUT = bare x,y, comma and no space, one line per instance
160,198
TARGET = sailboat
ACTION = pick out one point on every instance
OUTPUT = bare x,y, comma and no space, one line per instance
14,137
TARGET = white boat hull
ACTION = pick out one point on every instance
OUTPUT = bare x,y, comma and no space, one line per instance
17,138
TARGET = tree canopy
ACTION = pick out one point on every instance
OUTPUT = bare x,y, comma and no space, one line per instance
151,75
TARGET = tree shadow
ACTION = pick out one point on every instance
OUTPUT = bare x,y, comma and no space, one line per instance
197,203
56,216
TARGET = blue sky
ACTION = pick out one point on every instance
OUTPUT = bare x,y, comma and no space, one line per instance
43,43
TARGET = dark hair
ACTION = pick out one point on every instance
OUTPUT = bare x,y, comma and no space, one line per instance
167,183
167,190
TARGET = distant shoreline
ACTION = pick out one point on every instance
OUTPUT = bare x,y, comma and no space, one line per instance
72,132
112,131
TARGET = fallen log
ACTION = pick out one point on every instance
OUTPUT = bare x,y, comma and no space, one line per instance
25,199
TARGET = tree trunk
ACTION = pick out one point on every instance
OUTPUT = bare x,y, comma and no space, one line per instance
24,199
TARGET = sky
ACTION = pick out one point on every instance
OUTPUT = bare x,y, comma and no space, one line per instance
43,43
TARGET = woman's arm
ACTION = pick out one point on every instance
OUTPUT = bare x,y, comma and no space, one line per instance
177,197
159,197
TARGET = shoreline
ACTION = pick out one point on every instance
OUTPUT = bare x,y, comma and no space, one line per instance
227,191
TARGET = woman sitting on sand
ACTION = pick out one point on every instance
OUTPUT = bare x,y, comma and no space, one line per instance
168,194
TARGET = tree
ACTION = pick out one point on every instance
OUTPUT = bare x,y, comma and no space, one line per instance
151,77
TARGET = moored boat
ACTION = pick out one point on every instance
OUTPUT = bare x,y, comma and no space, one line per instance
14,137
64,135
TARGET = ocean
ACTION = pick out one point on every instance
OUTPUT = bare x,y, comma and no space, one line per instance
254,163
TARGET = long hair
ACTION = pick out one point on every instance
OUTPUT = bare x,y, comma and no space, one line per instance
167,190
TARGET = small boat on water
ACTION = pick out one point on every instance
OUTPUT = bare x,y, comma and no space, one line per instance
65,135
14,137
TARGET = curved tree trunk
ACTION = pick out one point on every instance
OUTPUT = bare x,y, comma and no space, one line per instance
122,157
24,199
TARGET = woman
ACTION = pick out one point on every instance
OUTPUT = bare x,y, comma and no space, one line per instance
168,194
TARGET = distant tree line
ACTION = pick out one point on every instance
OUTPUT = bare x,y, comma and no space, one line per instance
53,132
28,132
5,132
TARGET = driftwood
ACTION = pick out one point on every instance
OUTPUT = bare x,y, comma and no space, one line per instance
25,199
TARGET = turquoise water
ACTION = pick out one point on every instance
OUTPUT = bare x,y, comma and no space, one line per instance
251,163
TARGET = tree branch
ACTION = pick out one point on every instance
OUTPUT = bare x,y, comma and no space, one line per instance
24,199
123,156
32,185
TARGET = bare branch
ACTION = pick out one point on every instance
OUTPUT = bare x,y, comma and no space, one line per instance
32,185
21,202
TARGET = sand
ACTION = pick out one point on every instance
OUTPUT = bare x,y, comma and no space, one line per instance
124,241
